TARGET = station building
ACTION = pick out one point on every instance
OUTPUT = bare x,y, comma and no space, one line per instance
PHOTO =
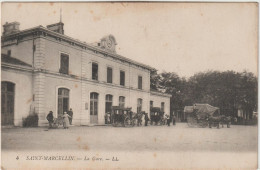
44,70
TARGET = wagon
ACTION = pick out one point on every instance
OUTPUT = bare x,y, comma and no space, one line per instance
198,115
122,116
157,116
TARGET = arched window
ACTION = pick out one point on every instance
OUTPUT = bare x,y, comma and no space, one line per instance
139,105
63,100
109,103
7,101
93,103
121,101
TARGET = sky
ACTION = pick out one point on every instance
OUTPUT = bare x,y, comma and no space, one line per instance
185,38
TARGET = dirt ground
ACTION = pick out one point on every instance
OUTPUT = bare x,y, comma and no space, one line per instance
152,138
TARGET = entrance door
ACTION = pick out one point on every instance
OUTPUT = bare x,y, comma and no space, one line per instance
63,100
7,103
93,108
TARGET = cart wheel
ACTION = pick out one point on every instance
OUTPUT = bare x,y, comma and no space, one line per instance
191,122
203,123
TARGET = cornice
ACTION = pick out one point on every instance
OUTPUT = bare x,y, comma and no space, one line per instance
160,94
41,31
16,67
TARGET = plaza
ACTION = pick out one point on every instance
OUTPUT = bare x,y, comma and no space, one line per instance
160,147
152,138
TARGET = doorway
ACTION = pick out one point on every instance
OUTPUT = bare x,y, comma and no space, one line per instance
8,93
63,100
93,108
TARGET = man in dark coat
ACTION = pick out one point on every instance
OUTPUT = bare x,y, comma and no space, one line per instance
168,120
50,119
173,120
70,113
146,118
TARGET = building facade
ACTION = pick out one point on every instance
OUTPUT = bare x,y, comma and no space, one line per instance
44,70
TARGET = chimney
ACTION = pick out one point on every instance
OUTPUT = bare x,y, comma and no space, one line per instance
10,28
58,27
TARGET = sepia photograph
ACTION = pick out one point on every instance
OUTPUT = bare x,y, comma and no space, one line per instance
129,85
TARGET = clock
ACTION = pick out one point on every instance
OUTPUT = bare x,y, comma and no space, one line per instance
108,43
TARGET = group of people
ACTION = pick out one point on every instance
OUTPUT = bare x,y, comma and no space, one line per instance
66,119
68,116
169,118
166,117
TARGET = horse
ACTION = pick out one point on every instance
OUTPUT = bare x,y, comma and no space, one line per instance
138,117
215,120
226,120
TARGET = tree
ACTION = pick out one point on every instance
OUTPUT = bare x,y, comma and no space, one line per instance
227,90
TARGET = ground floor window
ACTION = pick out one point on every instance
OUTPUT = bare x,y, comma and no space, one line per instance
151,104
162,106
139,105
93,103
108,109
63,100
93,107
7,103
121,101
109,103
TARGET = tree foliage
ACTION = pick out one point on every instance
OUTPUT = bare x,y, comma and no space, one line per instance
227,90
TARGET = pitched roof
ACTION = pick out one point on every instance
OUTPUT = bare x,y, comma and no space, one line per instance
11,60
78,42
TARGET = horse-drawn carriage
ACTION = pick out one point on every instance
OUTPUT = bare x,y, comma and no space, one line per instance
123,116
202,115
157,116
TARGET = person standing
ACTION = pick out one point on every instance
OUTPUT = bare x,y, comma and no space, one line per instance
50,119
168,120
108,118
146,118
65,120
173,119
70,113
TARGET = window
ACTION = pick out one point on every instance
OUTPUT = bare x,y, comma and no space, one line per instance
94,71
139,105
121,101
162,106
109,101
140,82
63,100
9,53
151,104
109,75
122,78
7,103
93,103
64,64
